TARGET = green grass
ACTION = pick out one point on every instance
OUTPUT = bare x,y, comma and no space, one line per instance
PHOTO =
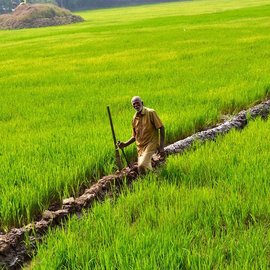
189,64
130,14
207,209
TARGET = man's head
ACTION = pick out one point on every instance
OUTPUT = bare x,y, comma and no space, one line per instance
137,103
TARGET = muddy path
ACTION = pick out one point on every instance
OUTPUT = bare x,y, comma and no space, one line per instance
15,250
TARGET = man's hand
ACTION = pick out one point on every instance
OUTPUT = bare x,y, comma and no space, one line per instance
121,145
161,152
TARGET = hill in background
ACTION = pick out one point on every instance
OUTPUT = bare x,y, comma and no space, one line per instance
37,15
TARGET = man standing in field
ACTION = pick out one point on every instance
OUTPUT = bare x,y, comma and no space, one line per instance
148,132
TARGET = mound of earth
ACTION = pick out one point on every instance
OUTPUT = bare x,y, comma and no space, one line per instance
37,15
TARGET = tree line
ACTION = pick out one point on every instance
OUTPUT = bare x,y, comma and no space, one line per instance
9,5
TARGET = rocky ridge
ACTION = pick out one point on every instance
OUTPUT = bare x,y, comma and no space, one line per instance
37,15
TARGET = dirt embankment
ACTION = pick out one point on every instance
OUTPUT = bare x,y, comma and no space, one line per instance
13,249
37,15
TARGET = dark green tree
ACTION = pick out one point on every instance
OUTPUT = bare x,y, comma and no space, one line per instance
69,4
5,6
42,1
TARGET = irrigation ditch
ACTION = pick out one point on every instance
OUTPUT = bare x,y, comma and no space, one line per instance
19,244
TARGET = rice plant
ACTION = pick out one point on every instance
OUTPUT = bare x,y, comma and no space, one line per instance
192,62
207,209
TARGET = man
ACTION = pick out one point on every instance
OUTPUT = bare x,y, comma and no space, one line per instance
148,132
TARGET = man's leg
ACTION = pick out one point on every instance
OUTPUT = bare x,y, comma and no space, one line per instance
144,161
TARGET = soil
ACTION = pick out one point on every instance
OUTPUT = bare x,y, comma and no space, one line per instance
37,15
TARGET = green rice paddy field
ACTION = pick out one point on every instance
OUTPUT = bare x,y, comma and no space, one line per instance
207,209
191,61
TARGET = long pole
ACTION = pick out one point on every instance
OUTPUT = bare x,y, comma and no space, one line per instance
124,154
117,154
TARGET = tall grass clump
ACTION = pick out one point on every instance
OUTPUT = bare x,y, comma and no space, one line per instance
206,209
189,62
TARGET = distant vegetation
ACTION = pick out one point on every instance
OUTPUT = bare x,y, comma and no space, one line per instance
8,5
93,4
55,84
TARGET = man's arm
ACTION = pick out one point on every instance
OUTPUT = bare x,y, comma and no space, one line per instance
162,138
122,145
